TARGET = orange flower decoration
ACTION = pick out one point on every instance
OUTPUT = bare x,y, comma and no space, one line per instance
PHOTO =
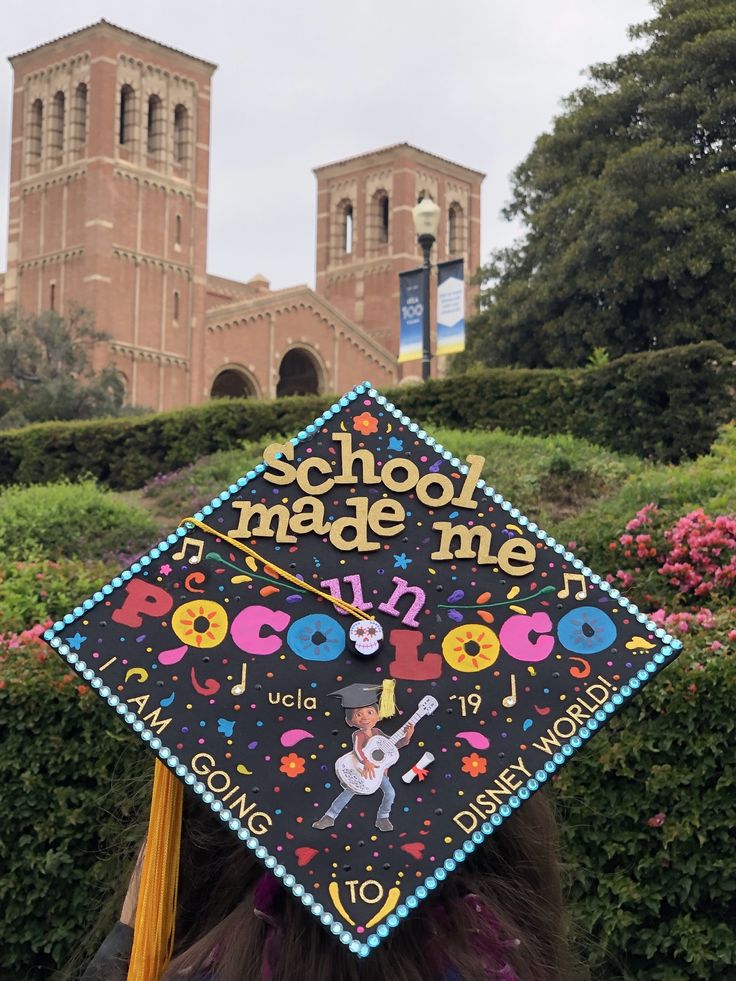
474,764
293,765
365,423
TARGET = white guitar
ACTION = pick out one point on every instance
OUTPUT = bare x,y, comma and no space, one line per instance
381,751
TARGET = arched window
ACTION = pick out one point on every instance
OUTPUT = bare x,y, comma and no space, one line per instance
232,383
347,228
298,374
176,306
177,230
155,126
52,297
35,132
78,135
455,229
56,132
127,115
181,134
382,208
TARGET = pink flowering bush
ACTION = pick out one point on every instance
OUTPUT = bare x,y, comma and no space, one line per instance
702,554
676,565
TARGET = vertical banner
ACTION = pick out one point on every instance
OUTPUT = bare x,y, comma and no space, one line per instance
450,307
411,313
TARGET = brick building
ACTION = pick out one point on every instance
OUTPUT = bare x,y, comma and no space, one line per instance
108,209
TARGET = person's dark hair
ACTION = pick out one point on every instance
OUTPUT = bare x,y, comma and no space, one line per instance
349,713
513,879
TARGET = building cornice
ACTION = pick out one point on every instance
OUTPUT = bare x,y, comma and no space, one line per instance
361,160
112,30
296,298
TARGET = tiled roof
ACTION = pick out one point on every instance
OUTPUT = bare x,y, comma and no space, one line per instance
123,30
397,146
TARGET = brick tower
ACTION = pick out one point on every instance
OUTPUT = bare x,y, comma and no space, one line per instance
366,237
108,199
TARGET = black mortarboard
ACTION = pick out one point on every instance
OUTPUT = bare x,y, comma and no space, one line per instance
358,695
223,646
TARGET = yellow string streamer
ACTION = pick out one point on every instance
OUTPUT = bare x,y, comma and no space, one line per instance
153,939
348,607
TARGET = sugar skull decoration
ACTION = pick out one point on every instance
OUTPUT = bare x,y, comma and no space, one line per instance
366,637
361,763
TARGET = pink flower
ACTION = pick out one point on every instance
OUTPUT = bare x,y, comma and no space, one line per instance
657,820
716,645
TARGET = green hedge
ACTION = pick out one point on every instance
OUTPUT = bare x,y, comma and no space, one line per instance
73,792
49,521
657,901
39,590
124,453
664,404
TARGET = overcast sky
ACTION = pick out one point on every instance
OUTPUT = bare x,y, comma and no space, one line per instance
301,84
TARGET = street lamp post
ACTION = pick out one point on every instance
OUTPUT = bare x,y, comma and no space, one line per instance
426,216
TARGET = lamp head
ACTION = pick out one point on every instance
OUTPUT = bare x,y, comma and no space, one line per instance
426,217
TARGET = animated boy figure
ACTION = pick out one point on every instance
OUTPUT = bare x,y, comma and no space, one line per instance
362,713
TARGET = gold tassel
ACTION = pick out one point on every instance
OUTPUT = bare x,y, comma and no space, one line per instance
153,939
387,705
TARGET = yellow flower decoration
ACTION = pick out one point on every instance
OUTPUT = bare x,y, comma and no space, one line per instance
202,623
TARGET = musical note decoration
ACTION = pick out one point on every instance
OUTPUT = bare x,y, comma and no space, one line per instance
197,544
510,700
576,577
239,688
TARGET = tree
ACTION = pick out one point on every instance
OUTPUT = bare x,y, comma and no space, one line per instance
628,206
46,369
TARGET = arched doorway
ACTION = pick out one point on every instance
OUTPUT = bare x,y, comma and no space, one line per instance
232,383
299,374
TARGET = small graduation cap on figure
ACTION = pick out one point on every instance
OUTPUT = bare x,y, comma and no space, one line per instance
360,574
358,696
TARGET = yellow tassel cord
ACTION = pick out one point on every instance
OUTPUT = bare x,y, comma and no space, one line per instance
300,583
153,939
387,705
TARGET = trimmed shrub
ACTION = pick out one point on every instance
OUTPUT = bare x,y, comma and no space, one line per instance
661,404
648,812
73,795
44,590
124,453
53,520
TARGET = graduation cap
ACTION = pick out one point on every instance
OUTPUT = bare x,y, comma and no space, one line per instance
224,647
357,696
